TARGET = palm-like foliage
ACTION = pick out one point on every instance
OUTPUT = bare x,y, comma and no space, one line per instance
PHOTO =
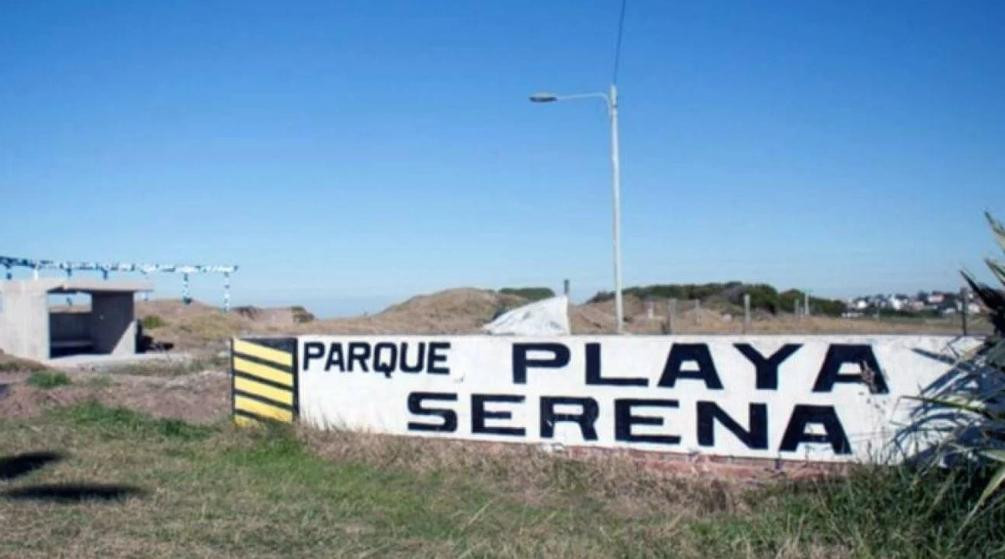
987,406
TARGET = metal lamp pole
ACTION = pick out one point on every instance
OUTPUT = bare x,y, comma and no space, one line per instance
612,111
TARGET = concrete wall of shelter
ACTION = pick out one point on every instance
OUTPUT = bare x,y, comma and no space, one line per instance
24,321
69,326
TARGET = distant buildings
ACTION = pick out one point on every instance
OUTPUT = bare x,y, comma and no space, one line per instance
930,303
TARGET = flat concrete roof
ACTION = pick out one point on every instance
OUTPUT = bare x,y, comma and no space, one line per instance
74,285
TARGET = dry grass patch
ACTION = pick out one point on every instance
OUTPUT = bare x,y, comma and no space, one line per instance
164,488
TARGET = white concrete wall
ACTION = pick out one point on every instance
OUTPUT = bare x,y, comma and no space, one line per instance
641,398
24,322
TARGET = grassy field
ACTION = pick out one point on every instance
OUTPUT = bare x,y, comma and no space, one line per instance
93,481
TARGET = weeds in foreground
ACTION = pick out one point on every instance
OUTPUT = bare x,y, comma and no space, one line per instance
210,490
876,511
11,364
48,379
118,422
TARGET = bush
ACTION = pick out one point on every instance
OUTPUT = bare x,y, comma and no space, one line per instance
48,379
152,321
974,396
301,315
529,293
762,296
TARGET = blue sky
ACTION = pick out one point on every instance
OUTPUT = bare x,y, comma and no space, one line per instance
349,154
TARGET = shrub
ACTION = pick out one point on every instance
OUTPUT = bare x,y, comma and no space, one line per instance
529,293
301,315
762,296
975,395
152,321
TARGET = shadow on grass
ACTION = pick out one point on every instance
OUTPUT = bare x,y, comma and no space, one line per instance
73,493
22,464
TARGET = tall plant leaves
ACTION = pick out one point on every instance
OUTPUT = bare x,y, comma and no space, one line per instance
993,299
997,268
990,358
993,485
998,229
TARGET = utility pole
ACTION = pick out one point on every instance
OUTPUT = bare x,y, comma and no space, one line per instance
746,312
964,306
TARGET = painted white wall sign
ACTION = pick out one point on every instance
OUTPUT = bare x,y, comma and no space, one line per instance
824,398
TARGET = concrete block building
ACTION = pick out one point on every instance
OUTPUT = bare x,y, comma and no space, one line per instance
30,329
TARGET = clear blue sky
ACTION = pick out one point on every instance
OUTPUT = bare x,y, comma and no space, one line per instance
349,154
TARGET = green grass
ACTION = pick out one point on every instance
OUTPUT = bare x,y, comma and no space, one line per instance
874,512
217,491
48,379
123,422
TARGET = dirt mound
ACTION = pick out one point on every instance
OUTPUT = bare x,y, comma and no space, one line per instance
461,303
192,326
454,311
464,311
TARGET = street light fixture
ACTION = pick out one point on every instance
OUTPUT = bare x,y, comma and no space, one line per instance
612,111
543,97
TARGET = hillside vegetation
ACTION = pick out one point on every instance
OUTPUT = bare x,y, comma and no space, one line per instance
730,294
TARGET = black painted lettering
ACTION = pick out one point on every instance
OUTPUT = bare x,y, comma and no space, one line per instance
449,416
595,376
436,357
359,352
862,357
420,362
589,410
479,414
521,361
767,367
313,350
385,358
335,358
624,419
756,437
803,415
690,353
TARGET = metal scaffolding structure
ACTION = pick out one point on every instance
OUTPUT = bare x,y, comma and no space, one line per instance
9,262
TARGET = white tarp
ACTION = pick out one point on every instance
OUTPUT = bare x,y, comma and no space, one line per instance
548,317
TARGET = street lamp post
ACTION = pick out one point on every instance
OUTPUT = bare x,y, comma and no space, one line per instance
612,111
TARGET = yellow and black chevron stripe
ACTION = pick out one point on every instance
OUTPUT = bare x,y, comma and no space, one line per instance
264,380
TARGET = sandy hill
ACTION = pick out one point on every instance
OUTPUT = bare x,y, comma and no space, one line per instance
465,310
452,311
